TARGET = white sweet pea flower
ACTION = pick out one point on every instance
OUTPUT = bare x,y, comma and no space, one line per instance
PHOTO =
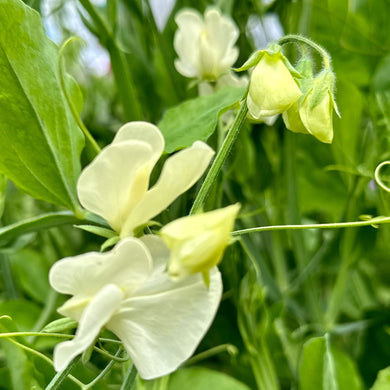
115,185
197,242
205,46
127,290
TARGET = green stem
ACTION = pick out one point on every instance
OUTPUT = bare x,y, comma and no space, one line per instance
47,311
128,95
299,38
293,215
377,175
76,116
61,376
48,334
9,285
129,382
43,357
130,102
221,157
370,222
104,371
164,50
229,348
348,257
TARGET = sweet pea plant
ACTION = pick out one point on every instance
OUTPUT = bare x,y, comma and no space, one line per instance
197,217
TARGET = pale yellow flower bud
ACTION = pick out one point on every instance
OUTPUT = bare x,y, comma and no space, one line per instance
272,89
197,242
318,119
293,121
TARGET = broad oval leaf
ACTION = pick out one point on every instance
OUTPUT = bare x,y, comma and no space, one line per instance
196,119
40,143
198,378
325,367
383,380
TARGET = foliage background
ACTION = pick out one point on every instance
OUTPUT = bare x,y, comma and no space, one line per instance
304,309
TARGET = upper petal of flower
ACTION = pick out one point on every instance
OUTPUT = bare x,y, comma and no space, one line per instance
119,176
186,42
142,131
104,304
128,265
161,329
179,173
222,34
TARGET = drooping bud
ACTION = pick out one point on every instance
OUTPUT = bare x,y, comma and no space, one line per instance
272,88
316,110
197,242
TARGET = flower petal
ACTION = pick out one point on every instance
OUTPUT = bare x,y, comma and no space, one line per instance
186,42
128,265
116,180
142,131
96,315
160,331
158,250
179,173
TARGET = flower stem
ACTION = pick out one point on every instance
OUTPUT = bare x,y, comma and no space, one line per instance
229,348
370,222
95,147
129,382
61,376
104,371
221,157
299,38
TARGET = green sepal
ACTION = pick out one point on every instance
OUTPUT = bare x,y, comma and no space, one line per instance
252,61
60,325
108,243
305,82
323,84
99,231
305,67
206,278
294,72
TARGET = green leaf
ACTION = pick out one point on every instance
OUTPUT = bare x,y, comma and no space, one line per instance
99,231
203,378
22,372
383,380
324,367
60,325
43,221
31,270
197,118
3,190
40,142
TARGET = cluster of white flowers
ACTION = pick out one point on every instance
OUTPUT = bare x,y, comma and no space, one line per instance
149,291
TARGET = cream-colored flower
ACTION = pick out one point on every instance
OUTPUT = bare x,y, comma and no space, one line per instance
197,242
205,46
272,88
127,290
115,185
